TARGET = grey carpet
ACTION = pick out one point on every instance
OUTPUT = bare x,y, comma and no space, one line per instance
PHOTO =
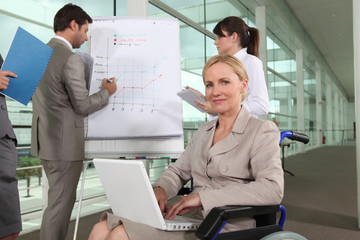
321,198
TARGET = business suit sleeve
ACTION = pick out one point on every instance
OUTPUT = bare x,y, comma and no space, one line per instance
177,174
265,164
73,76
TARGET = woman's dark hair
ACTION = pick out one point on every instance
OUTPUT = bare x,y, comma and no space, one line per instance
249,37
68,13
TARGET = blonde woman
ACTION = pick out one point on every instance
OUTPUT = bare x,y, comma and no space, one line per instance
234,160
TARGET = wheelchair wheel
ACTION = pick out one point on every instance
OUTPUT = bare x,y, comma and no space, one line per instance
283,235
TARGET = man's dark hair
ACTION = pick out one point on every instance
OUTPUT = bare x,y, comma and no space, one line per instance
68,13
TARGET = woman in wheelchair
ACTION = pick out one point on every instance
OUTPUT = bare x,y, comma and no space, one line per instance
234,160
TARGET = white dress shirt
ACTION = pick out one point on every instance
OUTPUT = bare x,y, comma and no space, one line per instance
66,41
257,100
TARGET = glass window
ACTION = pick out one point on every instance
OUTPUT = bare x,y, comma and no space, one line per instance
192,9
280,58
282,95
309,76
218,10
121,8
310,111
283,100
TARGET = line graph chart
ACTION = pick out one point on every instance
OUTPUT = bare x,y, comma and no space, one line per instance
146,66
137,85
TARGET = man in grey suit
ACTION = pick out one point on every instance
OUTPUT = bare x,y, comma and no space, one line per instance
10,219
59,105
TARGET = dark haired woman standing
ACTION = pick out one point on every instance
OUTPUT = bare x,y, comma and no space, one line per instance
236,38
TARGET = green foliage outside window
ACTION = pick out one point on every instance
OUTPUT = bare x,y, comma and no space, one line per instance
28,173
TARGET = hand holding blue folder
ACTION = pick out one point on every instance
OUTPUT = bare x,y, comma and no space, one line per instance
28,57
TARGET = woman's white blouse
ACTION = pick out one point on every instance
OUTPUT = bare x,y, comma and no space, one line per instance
257,100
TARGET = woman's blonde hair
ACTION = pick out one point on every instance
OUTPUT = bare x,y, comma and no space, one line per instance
236,65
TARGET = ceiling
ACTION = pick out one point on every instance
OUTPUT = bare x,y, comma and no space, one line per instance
329,25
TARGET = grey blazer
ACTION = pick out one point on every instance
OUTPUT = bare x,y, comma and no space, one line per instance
59,105
242,169
5,124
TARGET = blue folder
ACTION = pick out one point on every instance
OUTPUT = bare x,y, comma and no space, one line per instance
28,58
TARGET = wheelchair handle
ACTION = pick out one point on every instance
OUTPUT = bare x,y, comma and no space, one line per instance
300,137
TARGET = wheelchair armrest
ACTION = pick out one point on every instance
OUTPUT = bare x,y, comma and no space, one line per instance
219,216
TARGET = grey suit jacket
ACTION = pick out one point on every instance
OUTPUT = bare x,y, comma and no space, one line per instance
5,124
59,105
242,169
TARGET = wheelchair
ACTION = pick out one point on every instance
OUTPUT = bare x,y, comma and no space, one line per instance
265,216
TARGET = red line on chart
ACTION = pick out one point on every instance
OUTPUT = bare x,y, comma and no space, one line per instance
158,77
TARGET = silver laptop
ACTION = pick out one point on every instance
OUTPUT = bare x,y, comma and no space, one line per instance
130,194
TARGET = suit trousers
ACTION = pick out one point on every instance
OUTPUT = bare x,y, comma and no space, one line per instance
10,219
63,177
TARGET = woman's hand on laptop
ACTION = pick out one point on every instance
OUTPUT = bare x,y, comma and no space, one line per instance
183,205
161,198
